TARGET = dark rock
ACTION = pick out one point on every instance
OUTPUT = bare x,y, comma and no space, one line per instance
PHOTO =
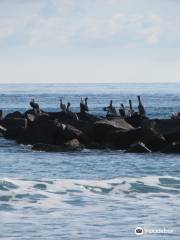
163,126
84,116
14,123
14,126
172,148
31,111
2,131
102,128
136,120
95,145
72,145
69,133
14,132
41,132
16,114
138,148
122,139
153,140
30,117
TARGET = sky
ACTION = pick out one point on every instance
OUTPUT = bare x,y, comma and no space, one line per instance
89,41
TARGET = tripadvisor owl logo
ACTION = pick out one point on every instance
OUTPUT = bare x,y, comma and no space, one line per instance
139,231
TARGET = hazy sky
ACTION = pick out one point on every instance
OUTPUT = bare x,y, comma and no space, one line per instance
89,40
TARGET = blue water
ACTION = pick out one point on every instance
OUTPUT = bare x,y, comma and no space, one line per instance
89,194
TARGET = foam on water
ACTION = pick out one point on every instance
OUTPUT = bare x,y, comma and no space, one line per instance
19,192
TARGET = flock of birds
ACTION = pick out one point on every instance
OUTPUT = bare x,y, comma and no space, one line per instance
111,110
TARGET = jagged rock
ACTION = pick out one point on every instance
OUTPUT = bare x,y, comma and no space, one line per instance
172,148
87,117
30,111
138,148
95,145
102,128
122,139
30,117
162,126
14,123
16,114
70,133
72,145
41,132
136,120
153,140
2,131
14,127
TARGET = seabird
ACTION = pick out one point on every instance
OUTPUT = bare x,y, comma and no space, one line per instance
141,109
84,106
62,106
122,111
111,111
131,111
34,105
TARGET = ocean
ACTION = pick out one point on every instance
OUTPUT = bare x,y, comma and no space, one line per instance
91,194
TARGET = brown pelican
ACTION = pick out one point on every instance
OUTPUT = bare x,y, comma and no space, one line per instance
62,106
111,111
68,107
122,111
131,111
141,109
35,106
84,106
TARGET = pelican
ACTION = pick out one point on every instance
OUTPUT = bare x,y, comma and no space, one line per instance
111,111
62,106
122,111
84,105
141,109
131,111
68,107
34,105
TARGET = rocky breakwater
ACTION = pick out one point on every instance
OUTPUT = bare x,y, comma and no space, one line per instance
62,132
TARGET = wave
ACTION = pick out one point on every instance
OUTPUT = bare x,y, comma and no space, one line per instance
51,193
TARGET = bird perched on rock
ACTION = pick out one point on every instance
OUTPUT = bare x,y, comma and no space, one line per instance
131,111
141,109
35,106
111,110
68,107
84,105
122,111
62,106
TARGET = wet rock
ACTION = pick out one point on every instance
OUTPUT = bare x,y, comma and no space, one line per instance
172,148
103,128
138,148
122,139
70,132
136,120
87,117
2,131
14,127
72,145
16,114
153,140
41,132
163,126
14,123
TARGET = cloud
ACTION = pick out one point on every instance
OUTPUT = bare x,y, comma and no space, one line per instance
72,23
